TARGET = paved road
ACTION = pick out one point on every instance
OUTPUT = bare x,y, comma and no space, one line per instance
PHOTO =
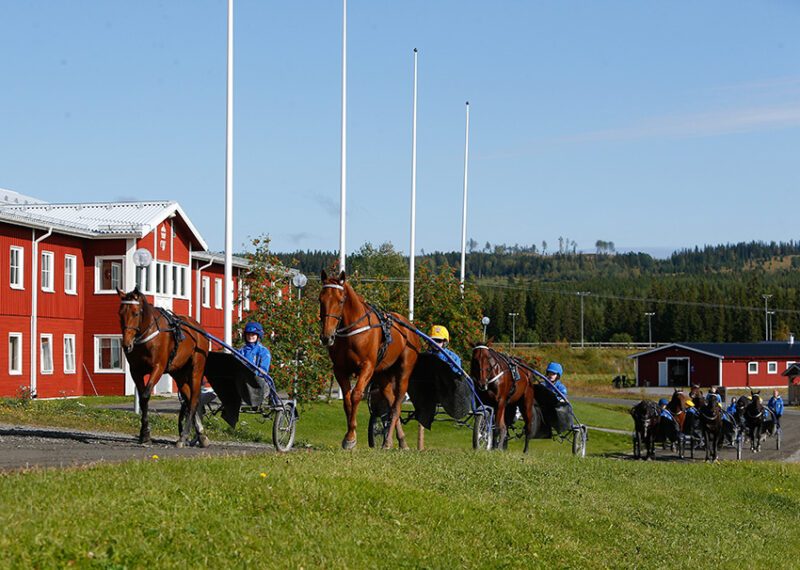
24,447
790,441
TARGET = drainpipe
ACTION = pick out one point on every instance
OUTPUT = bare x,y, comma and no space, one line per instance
35,306
198,286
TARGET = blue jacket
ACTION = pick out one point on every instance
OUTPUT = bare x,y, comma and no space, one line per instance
258,354
776,405
558,384
440,354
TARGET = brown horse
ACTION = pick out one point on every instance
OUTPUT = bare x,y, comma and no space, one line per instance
505,385
155,343
683,411
369,344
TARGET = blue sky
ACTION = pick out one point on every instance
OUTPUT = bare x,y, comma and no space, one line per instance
655,125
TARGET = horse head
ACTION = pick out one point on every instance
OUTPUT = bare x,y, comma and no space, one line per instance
484,368
332,298
131,312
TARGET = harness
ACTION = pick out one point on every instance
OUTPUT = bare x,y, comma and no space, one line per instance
174,327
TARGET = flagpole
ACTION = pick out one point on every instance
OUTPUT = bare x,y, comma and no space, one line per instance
228,297
343,181
464,213
412,256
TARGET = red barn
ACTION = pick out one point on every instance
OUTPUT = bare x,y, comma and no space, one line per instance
60,268
733,365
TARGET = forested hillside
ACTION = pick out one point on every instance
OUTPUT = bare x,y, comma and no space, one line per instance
711,294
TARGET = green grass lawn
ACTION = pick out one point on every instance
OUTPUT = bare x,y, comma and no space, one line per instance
446,507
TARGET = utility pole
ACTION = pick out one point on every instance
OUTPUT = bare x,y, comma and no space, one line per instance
766,316
582,294
771,322
513,328
650,328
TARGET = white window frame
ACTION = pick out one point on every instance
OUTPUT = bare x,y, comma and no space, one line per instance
772,367
205,291
98,274
67,368
789,363
97,340
163,279
752,367
71,280
180,280
217,293
19,253
18,336
42,338
46,275
144,278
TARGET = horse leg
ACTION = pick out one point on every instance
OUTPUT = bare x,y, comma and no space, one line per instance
364,376
391,391
501,422
143,393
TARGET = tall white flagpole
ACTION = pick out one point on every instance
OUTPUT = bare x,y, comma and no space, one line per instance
464,213
228,304
343,182
412,256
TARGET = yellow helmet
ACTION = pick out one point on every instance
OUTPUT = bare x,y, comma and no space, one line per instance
439,332
689,404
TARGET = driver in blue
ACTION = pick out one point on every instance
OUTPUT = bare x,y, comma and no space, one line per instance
253,350
776,405
713,396
441,336
554,372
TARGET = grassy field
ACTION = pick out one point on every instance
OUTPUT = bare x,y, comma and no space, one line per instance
442,508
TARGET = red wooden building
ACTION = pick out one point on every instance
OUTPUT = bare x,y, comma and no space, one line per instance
733,365
60,267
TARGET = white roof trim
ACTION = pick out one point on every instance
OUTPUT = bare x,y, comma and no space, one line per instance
676,345
174,207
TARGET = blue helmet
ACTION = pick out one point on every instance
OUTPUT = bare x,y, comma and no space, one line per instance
663,402
556,368
256,328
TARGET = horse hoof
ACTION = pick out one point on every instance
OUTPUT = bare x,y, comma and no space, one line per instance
144,440
180,443
204,441
348,444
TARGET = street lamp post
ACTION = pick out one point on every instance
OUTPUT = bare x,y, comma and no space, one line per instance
770,323
649,327
582,294
766,316
485,322
299,281
513,328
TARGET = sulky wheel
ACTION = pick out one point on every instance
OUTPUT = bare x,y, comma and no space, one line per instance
378,429
283,429
482,432
739,445
579,441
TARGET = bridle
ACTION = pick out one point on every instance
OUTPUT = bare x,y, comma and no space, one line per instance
340,316
493,363
139,338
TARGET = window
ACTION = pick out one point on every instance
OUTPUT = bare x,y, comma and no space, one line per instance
47,271
246,295
15,353
788,364
772,367
17,261
108,354
108,274
46,354
179,280
217,293
69,354
752,367
162,278
206,293
70,274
